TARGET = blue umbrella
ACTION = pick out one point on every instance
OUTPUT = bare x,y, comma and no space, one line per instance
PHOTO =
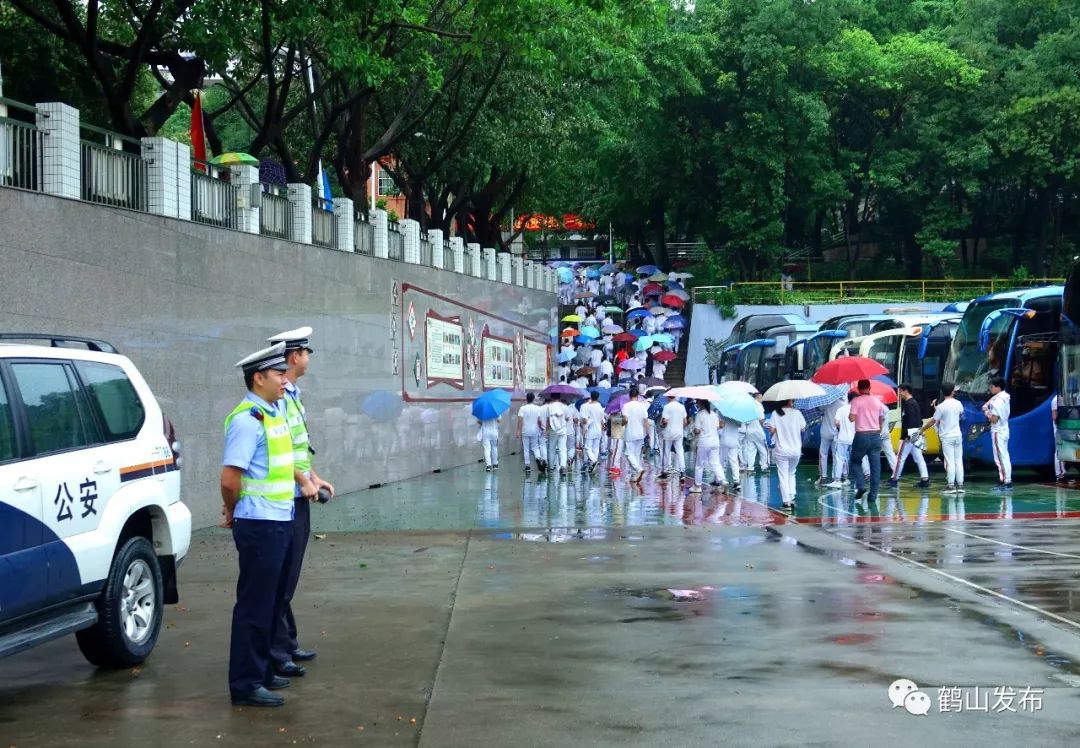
643,343
833,392
606,393
590,331
639,312
609,268
592,273
648,269
382,406
738,406
639,333
491,405
584,340
675,286
566,275
885,378
565,356
663,338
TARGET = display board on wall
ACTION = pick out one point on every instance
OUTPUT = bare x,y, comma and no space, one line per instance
464,350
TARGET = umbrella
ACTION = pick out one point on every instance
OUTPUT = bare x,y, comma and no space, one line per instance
833,392
674,285
664,356
624,337
566,356
590,331
663,338
653,382
573,318
672,300
639,312
566,275
585,371
793,389
562,389
639,333
884,378
658,277
643,344
491,404
584,295
592,273
235,159
648,269
570,332
848,369
584,339
880,390
632,364
609,268
382,406
679,293
652,289
701,392
615,404
738,406
613,309
659,311
735,386
612,329
674,323
606,393
678,318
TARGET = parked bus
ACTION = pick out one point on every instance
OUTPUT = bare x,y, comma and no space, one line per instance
764,362
1068,446
746,329
1013,335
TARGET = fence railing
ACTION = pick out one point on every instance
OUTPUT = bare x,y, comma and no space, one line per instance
274,213
113,169
364,237
323,225
425,249
20,146
865,291
395,242
213,198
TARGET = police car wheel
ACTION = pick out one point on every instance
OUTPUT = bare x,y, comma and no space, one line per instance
129,609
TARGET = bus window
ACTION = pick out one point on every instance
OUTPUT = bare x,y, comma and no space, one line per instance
886,351
969,368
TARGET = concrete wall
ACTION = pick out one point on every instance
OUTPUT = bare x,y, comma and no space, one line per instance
706,322
186,301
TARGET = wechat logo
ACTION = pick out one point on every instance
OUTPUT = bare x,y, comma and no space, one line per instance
906,693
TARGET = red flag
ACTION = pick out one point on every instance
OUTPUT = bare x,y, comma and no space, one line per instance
198,139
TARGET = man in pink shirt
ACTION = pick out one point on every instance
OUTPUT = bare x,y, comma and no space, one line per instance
867,416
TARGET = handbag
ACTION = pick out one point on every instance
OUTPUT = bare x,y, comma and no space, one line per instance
917,439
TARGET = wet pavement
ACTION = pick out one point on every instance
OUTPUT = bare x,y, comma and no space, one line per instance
499,609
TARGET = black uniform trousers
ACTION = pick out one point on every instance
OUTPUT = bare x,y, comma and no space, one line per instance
264,548
285,641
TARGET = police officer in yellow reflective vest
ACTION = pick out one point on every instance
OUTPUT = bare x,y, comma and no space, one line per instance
257,486
285,649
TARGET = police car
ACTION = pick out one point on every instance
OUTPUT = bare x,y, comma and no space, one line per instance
92,528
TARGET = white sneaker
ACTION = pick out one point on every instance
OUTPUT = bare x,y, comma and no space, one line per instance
695,488
834,484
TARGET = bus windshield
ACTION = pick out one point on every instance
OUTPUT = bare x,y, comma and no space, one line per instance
969,368
886,351
1069,355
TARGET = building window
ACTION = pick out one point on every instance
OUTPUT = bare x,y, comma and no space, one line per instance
387,187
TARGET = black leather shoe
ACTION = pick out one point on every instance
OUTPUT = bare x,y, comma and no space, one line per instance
277,683
304,655
289,669
261,696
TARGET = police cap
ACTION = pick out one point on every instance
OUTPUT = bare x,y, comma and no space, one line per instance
268,358
294,340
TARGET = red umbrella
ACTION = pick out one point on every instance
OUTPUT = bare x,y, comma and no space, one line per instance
880,390
652,289
848,369
672,300
664,356
624,337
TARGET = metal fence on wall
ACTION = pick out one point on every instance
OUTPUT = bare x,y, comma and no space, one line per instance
20,146
113,169
323,226
364,237
274,214
425,249
395,242
213,198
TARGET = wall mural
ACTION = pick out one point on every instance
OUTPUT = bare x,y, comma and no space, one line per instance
458,351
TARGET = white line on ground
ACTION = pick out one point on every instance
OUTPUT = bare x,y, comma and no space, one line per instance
1012,545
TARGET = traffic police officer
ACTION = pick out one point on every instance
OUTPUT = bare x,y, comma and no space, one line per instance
257,485
285,649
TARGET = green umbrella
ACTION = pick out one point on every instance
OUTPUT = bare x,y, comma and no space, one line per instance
235,159
613,309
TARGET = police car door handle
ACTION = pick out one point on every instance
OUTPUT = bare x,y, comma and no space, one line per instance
25,484
102,467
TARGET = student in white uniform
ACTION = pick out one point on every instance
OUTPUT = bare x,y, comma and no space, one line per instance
659,369
1059,467
754,448
787,425
997,411
557,421
673,422
827,447
707,430
592,418
489,438
886,442
730,433
637,430
845,437
530,431
947,415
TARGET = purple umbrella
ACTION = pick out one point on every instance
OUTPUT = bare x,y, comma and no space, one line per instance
632,364
615,404
563,389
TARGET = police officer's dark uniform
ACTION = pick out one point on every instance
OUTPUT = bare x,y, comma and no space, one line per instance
257,487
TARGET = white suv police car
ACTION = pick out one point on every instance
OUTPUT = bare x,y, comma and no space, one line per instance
92,528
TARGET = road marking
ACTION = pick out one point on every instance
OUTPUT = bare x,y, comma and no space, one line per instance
966,583
1012,545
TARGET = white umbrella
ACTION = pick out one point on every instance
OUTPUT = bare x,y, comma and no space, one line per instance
736,385
700,392
792,389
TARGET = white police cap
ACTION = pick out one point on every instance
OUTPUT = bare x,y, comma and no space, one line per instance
294,340
268,358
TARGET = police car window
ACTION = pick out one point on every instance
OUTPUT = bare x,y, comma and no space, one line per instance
55,408
7,429
111,392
